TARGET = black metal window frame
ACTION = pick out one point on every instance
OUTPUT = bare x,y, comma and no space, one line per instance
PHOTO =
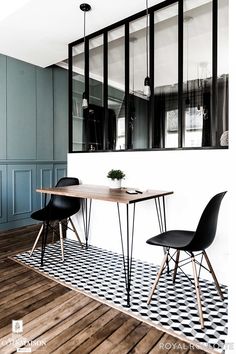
125,22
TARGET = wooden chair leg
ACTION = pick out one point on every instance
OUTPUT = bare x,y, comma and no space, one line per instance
197,288
176,265
61,240
163,264
75,231
53,231
36,241
213,275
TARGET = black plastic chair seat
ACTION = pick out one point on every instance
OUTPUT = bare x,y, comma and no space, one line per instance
178,239
53,213
191,241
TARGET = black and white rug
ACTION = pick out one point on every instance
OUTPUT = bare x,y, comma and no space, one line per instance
100,273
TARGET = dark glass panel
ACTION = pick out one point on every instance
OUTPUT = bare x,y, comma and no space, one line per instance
78,87
138,119
116,89
197,73
166,77
223,73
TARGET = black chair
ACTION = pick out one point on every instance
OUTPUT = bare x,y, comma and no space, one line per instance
190,242
58,209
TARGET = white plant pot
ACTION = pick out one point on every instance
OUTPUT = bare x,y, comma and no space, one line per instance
114,183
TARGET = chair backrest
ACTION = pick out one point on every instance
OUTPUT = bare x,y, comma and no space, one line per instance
206,229
66,203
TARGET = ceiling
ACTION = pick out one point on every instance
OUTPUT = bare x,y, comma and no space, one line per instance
38,31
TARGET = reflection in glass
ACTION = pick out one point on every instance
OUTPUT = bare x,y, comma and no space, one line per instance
138,119
166,77
78,139
116,90
223,72
197,73
94,114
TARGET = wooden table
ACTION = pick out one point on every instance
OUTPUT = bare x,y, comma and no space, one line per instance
119,196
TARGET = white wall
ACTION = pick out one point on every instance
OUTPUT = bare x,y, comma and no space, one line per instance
194,176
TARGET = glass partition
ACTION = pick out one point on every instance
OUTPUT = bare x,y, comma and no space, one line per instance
184,50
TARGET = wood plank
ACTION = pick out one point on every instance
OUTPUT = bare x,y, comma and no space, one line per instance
36,303
85,319
12,233
18,271
89,326
57,315
27,243
51,305
8,263
22,294
48,319
22,288
148,341
87,306
23,275
42,319
131,340
168,344
101,334
117,336
14,241
14,284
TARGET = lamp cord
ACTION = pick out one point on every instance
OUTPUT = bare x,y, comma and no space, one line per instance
147,46
187,54
133,67
84,43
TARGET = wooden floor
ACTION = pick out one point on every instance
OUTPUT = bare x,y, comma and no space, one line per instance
63,320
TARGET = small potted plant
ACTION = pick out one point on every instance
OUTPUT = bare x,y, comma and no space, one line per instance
115,177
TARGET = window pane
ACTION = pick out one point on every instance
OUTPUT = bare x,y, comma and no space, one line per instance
138,120
197,73
116,90
94,114
78,142
166,77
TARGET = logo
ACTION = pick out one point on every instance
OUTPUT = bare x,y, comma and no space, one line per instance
17,326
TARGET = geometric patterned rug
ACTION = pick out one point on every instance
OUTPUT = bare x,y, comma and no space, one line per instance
99,273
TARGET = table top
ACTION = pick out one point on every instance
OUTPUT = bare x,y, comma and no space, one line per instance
88,191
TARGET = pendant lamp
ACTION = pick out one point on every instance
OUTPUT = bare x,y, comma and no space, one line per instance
85,8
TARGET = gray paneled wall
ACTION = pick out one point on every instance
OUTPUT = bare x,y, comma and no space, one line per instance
3,106
60,112
45,175
21,192
33,136
21,110
3,194
44,111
